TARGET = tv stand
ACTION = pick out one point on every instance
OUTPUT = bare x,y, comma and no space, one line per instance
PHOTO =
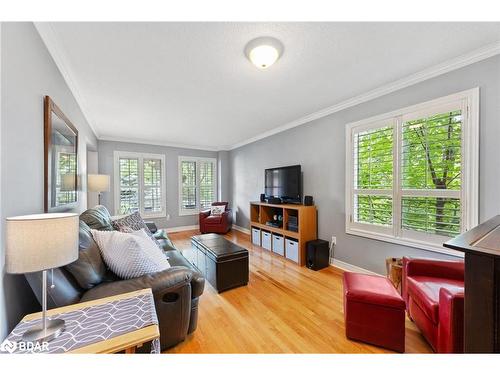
305,217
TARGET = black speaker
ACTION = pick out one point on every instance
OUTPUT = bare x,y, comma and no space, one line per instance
274,200
317,254
308,200
263,197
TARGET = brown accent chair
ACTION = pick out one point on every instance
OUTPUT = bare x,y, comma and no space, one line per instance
216,223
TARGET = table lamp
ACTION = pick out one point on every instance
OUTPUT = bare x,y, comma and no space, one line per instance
98,183
39,243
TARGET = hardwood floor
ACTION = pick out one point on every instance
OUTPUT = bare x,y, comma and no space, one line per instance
284,309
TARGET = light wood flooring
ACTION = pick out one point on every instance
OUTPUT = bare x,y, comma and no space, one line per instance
284,309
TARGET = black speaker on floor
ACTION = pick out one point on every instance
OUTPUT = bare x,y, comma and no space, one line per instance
317,254
308,200
263,197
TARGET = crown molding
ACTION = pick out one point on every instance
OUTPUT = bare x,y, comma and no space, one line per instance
158,143
54,46
477,55
49,37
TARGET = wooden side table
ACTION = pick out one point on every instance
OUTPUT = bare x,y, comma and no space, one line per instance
394,268
107,314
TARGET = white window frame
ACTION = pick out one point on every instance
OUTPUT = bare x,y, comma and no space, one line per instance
194,211
116,182
470,173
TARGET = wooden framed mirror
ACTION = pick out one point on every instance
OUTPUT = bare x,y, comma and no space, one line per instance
60,160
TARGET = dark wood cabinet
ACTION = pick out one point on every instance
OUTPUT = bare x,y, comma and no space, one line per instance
481,246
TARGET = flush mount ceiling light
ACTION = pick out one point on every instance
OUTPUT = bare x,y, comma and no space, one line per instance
264,51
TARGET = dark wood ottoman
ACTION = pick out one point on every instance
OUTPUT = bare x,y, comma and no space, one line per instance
223,263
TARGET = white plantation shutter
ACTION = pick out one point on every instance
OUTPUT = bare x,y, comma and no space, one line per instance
140,184
373,170
197,184
152,191
207,183
129,185
411,175
431,170
188,181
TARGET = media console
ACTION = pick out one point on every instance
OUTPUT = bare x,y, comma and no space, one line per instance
298,225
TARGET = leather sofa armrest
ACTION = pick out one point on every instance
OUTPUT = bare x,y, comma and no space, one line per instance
451,322
151,226
444,269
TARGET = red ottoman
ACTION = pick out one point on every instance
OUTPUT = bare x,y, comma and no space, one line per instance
374,311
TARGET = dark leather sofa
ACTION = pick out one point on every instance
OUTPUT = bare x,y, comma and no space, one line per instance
176,290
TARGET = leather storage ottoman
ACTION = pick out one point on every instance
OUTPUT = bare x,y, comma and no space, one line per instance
224,264
374,311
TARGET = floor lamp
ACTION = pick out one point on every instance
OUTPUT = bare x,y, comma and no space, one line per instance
39,243
98,183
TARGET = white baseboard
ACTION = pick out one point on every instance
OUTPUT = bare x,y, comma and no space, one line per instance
241,229
350,267
180,229
333,262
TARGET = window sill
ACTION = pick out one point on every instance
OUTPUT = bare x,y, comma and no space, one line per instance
420,245
188,212
154,216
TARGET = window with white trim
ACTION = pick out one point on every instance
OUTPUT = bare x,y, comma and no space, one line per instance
139,184
197,184
411,175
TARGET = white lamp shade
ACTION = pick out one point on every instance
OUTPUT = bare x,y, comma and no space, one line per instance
98,182
41,242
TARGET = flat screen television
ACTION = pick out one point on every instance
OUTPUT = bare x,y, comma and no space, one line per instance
284,183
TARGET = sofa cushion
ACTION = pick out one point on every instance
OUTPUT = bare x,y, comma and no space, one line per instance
372,289
225,204
217,210
97,218
130,255
89,269
424,290
131,223
159,282
213,219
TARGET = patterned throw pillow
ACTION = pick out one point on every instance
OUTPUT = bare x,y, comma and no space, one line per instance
132,223
130,255
216,210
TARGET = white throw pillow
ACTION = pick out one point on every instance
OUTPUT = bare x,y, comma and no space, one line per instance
216,210
130,255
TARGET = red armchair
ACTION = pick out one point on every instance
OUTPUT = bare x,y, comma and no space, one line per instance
434,294
216,223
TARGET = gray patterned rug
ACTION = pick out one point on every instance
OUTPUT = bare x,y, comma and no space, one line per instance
90,325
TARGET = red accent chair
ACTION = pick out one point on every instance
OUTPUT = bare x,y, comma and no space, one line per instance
434,295
216,224
374,312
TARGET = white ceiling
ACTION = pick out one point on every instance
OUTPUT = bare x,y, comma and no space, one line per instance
190,83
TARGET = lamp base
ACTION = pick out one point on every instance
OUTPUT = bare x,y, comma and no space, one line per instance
37,334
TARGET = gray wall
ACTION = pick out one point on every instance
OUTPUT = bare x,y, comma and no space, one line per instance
28,73
320,148
92,168
105,152
224,185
